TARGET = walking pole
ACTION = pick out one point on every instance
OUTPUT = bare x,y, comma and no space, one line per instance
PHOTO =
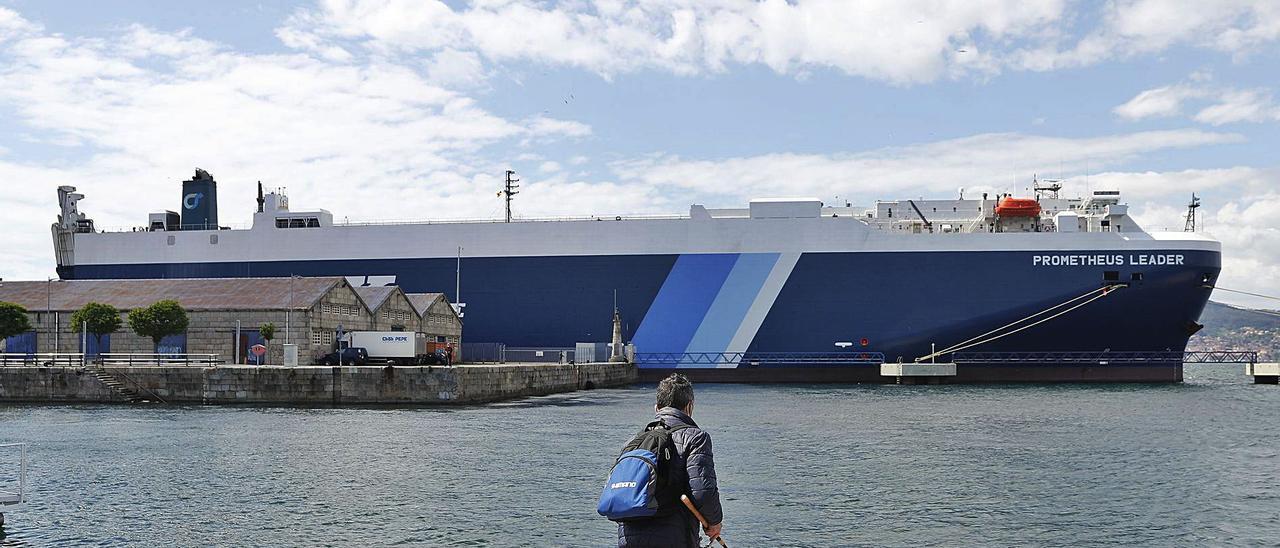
689,504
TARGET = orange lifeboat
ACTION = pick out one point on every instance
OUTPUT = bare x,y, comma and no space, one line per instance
1017,207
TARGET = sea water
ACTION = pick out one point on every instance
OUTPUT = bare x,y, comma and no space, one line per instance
1196,463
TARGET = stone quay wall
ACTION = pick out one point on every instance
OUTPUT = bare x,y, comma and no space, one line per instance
312,385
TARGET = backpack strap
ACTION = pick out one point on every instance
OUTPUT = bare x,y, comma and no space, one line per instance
660,424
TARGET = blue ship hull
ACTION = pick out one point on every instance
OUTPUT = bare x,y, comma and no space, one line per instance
899,303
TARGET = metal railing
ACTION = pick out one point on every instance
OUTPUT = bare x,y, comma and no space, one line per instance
548,354
117,360
120,375
10,498
1105,357
725,359
41,359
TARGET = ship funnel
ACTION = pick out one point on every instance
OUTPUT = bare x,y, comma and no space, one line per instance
200,202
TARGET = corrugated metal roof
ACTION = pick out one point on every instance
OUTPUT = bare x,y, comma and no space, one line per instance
192,294
422,301
374,295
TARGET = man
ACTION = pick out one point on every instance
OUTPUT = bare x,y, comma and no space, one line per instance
693,451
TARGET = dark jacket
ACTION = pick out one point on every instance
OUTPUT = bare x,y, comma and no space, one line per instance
693,448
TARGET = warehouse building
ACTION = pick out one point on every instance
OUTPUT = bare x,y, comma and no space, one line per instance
224,314
439,319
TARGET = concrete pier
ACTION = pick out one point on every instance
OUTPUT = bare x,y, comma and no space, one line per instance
1263,373
311,385
918,373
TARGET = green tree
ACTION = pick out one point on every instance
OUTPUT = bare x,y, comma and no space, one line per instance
159,320
13,320
100,319
268,332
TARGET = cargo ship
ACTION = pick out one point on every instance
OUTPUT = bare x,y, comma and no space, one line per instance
783,290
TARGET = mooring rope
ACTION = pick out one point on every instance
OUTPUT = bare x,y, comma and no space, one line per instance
1011,324
1100,293
1247,293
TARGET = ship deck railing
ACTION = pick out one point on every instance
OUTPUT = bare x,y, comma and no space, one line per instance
726,359
402,222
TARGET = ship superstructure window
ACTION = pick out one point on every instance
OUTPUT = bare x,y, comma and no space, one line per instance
297,222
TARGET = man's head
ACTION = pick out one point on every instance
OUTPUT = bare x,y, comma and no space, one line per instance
676,391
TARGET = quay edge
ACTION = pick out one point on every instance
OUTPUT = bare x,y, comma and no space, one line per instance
312,385
965,374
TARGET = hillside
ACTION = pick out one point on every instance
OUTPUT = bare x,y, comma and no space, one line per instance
1229,327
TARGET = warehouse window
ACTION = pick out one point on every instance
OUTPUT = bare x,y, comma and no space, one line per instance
315,337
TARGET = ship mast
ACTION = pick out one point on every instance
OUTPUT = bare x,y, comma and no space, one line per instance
1191,213
1053,186
509,191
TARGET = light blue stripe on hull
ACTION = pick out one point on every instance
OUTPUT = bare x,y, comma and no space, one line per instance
727,312
687,294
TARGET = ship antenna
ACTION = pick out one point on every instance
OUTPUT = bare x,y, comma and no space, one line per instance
261,200
1191,213
1053,186
509,191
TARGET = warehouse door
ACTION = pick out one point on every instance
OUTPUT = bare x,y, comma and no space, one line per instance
24,343
173,344
248,338
95,349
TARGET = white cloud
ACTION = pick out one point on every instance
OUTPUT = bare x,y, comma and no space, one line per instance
1223,105
1156,185
981,162
454,69
1135,27
149,105
13,25
901,42
1248,105
1162,101
897,41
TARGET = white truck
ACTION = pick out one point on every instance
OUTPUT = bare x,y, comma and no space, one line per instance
394,347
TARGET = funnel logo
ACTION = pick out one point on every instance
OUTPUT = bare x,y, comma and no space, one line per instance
192,201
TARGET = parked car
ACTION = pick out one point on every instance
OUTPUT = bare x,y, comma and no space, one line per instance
354,355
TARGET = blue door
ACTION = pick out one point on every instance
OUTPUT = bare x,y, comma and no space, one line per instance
248,338
24,343
95,349
173,344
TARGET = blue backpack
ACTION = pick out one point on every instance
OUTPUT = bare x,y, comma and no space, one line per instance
644,482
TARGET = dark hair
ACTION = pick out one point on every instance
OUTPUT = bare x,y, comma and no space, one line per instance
675,391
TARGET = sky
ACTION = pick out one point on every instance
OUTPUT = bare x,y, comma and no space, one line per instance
413,109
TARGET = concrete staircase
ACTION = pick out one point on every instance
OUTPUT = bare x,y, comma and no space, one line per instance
128,394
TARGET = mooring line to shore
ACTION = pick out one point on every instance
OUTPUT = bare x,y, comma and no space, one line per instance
962,345
1274,298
